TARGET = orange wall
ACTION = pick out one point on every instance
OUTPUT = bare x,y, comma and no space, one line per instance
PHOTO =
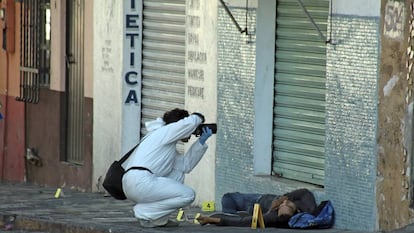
12,138
9,61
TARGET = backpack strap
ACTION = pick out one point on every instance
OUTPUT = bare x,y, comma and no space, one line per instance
126,156
139,168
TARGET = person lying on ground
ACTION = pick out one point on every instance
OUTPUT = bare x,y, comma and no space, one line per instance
280,210
243,203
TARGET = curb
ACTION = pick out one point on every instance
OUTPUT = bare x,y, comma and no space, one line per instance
31,224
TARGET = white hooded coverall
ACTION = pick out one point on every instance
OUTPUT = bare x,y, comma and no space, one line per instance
159,194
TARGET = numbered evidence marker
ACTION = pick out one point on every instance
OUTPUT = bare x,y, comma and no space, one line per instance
195,218
257,217
208,206
180,215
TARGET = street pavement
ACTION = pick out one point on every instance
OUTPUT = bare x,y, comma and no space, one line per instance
40,210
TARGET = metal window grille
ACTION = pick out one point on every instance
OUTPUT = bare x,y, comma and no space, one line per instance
34,49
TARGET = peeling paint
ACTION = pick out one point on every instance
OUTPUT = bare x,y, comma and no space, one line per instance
390,85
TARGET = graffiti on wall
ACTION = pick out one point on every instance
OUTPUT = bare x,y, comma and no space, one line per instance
106,49
195,57
106,53
394,17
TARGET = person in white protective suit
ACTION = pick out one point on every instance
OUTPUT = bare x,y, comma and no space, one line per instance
157,186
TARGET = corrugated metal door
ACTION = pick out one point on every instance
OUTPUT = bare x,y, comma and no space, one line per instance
299,111
163,58
75,80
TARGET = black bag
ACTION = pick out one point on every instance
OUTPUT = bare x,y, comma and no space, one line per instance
113,178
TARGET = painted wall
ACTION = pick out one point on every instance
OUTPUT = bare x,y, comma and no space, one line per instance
201,87
116,83
368,8
57,45
235,98
88,84
351,128
11,127
107,86
46,133
377,93
395,85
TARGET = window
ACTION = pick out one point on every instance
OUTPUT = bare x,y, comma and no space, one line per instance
34,49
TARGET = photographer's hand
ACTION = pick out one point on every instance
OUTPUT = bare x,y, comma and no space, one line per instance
207,132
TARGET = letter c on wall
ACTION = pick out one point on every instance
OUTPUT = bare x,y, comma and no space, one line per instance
128,80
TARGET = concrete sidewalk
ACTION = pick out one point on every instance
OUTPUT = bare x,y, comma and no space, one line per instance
38,210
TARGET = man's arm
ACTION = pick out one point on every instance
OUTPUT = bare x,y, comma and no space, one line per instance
186,163
276,203
180,129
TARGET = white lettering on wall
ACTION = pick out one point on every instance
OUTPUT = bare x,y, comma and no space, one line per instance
196,58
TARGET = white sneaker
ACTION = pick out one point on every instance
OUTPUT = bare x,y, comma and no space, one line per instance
146,223
161,222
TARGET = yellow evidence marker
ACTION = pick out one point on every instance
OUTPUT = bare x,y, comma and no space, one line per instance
257,217
208,206
180,215
58,193
195,218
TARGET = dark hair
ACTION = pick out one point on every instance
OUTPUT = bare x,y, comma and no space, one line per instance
284,217
174,115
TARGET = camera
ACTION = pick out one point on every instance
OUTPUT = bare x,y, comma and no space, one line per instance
199,130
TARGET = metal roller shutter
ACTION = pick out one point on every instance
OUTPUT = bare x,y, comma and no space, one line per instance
299,110
163,58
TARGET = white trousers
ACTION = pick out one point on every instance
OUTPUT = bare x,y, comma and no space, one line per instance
156,197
